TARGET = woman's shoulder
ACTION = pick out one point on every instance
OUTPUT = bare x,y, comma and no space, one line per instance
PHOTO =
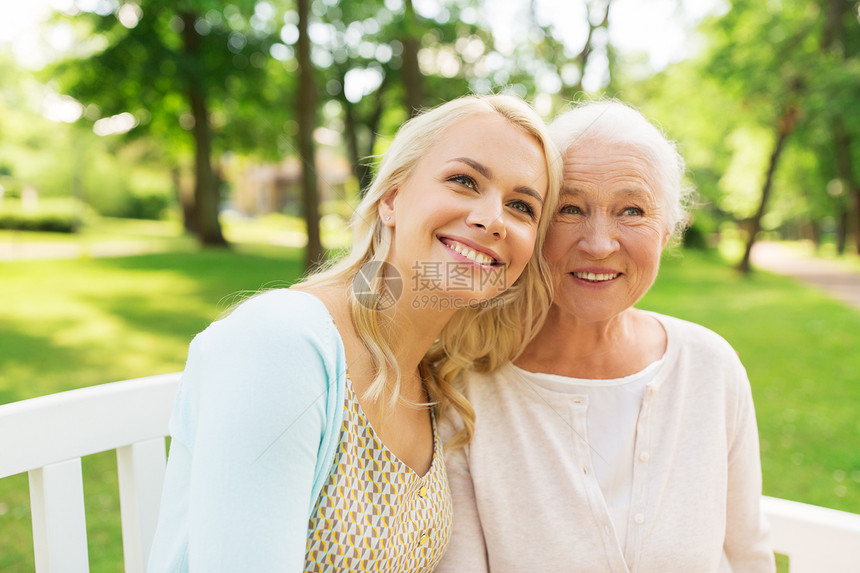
274,355
277,305
272,317
269,334
697,355
692,336
487,391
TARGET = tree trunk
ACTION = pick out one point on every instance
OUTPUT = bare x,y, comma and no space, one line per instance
206,193
366,174
306,114
786,126
354,124
855,195
186,202
412,80
815,234
842,231
350,135
834,35
358,155
842,142
585,53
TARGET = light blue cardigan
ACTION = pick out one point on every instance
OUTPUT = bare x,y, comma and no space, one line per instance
254,430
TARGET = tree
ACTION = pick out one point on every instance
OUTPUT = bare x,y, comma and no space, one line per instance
547,62
770,79
784,129
552,51
306,113
206,191
363,77
172,65
412,81
375,74
839,46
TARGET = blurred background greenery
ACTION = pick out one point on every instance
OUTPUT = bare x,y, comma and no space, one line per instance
197,110
175,134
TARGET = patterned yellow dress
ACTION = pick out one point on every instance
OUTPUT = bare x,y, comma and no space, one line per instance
374,512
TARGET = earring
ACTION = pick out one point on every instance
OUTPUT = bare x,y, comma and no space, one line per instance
387,218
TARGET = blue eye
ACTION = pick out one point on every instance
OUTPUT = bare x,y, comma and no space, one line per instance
523,207
633,211
464,180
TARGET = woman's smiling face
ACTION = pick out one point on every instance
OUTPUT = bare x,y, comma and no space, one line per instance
605,242
465,220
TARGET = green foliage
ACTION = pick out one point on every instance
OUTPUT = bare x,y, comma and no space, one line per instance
760,51
35,152
724,107
189,73
755,59
360,67
51,215
63,161
144,70
116,186
151,204
695,237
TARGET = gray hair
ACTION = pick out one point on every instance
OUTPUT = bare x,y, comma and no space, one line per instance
614,122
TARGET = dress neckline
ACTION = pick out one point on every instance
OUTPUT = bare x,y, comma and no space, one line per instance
434,461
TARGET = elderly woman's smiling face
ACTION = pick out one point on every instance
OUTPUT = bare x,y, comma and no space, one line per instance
605,242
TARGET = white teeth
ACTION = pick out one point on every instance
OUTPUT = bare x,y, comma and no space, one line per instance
596,277
470,254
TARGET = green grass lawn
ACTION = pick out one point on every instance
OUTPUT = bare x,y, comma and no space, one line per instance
73,323
799,347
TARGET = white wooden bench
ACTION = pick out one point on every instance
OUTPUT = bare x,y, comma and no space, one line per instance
815,539
47,436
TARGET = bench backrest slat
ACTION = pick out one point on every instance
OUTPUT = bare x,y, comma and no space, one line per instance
80,422
140,469
59,525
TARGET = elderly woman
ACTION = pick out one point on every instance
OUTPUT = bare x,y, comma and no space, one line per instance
620,439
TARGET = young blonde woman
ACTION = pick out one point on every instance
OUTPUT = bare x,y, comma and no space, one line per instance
303,433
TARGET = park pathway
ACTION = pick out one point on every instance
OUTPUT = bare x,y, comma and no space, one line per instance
829,276
23,250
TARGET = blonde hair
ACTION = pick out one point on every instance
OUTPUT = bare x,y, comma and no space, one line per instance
616,123
481,338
